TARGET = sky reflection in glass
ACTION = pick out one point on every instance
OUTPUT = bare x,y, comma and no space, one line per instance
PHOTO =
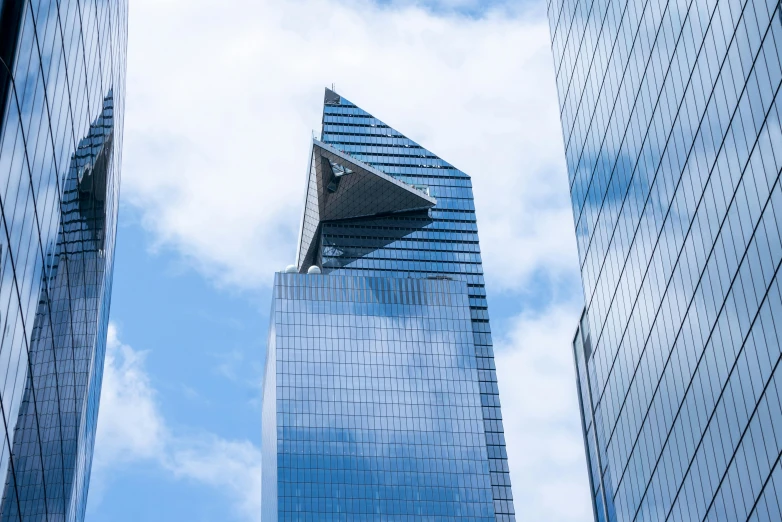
671,121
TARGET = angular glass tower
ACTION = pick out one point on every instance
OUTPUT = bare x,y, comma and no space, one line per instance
671,121
380,393
62,67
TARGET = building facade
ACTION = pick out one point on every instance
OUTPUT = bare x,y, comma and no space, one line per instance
671,121
380,391
62,68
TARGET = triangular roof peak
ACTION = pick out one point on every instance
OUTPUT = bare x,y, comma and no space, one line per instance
373,127
331,98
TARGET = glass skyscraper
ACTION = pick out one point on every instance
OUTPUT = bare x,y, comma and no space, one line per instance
671,121
380,393
62,68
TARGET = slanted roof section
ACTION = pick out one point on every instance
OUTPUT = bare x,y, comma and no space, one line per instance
341,187
401,157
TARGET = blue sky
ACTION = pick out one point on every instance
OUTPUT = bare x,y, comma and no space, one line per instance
220,109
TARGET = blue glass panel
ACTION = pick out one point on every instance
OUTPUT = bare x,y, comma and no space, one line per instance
671,119
62,93
378,407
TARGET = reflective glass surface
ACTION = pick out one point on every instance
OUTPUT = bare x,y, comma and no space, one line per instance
671,121
62,87
378,409
421,227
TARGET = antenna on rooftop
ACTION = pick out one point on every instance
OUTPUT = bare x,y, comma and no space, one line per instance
333,87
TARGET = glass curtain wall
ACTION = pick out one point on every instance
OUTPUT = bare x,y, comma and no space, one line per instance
62,85
671,114
378,409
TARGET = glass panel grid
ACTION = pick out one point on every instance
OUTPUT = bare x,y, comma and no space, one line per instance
61,120
671,121
378,408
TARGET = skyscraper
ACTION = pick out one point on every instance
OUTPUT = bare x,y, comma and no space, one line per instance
62,67
671,122
380,393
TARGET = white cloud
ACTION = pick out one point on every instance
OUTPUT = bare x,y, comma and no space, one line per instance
233,467
221,104
130,425
541,417
131,428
